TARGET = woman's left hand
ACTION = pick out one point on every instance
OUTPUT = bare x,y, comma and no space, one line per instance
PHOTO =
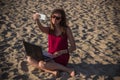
58,53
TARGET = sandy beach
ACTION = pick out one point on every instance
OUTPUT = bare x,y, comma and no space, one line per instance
96,28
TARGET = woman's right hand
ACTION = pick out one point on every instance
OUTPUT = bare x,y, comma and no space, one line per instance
36,16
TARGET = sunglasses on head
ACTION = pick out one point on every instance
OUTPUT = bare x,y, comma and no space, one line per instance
56,17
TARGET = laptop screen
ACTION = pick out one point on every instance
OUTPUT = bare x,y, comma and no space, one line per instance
33,51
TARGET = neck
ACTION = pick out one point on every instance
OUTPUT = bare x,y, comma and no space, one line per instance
57,28
57,25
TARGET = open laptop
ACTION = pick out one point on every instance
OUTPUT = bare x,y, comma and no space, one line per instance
35,51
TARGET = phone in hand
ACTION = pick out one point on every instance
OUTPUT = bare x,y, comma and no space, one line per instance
42,16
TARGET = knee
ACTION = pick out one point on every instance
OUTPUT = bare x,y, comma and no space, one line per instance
29,60
32,62
42,64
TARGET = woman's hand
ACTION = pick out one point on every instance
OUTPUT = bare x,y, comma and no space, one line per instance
36,16
58,53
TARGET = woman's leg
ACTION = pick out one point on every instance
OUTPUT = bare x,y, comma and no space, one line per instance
53,66
50,66
36,65
32,62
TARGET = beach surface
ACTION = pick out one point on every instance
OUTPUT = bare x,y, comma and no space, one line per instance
96,28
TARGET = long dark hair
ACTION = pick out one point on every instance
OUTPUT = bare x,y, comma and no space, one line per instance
63,23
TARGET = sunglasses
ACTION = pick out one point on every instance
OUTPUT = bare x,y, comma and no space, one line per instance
56,17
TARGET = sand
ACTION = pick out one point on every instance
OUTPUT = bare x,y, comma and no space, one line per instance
96,28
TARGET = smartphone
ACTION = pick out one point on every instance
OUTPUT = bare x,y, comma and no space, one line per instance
42,16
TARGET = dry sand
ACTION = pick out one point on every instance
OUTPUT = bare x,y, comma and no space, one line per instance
96,28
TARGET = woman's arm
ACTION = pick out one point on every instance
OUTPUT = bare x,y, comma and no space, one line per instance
41,27
71,41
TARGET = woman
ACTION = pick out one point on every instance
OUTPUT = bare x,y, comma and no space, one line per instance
58,35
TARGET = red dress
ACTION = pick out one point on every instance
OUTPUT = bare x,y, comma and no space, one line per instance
56,43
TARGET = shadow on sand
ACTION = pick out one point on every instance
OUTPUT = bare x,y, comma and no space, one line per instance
108,70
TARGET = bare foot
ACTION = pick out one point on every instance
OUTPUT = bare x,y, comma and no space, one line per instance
72,73
56,73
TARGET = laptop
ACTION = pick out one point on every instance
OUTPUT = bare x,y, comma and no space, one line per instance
35,52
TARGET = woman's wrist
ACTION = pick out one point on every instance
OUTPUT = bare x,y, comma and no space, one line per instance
37,20
61,52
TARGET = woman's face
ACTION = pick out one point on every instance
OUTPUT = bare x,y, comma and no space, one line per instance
56,18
